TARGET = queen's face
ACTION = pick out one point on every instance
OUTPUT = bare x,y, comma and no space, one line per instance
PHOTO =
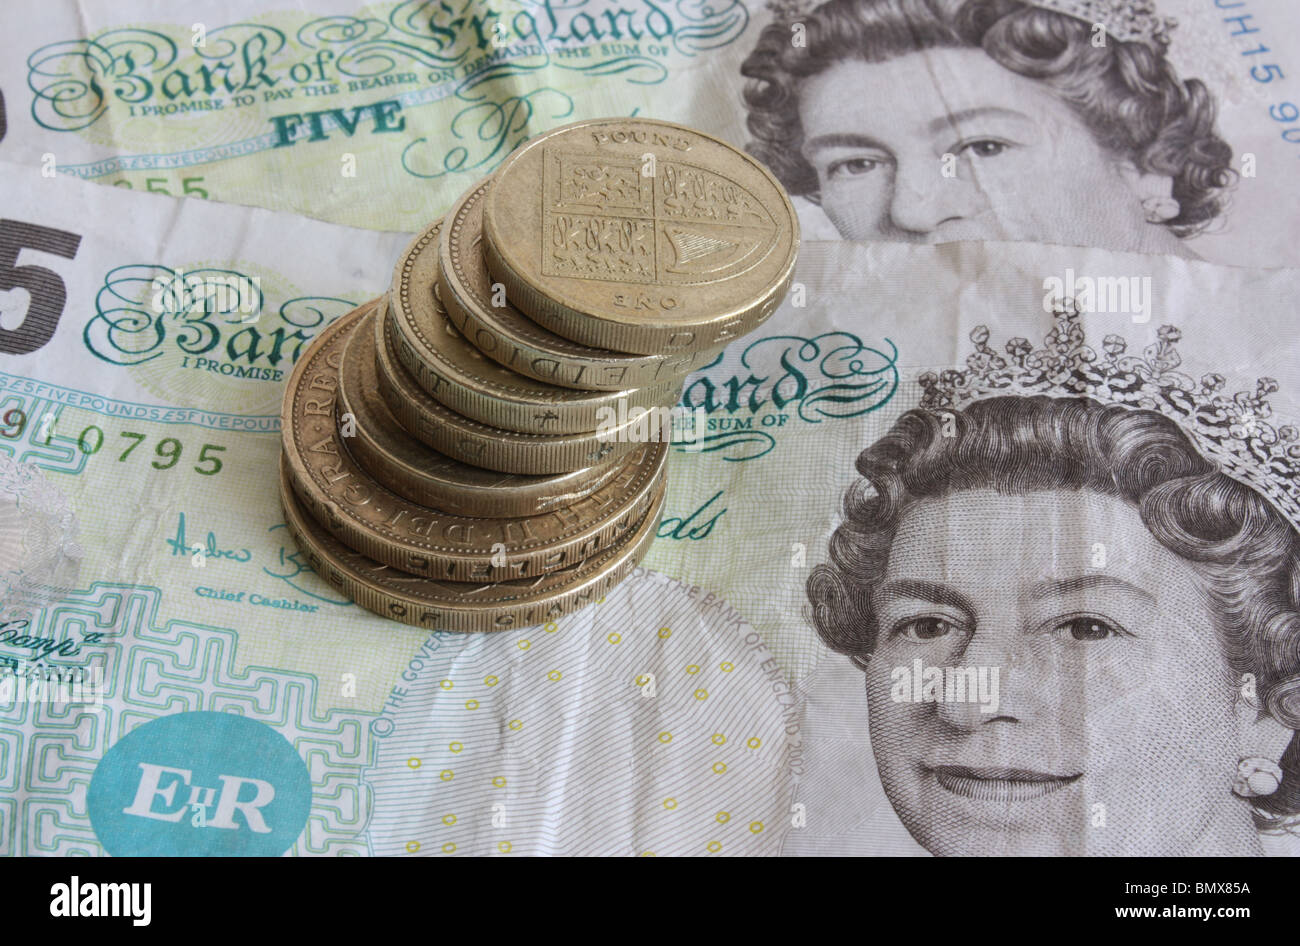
1021,165
1113,727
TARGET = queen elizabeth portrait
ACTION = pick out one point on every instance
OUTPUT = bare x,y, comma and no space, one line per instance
1059,121
1115,544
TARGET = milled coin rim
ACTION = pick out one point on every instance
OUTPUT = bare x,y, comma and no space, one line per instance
508,495
427,557
479,444
591,579
502,405
476,395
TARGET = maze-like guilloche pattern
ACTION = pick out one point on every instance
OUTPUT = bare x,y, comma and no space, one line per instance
154,668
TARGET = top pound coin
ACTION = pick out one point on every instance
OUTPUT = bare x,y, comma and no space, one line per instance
639,236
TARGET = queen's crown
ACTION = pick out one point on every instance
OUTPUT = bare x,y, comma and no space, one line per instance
1127,20
1232,430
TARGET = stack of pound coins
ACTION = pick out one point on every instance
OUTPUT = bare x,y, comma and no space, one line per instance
469,451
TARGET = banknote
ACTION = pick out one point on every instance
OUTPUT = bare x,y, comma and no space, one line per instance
1060,619
903,120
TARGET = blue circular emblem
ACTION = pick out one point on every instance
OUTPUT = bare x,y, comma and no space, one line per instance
200,784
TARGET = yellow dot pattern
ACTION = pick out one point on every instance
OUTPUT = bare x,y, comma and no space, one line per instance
707,681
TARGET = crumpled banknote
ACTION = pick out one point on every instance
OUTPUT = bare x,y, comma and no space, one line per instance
1036,663
882,127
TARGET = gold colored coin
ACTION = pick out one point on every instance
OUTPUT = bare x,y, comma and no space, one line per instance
375,521
648,237
478,306
423,475
491,447
461,606
461,377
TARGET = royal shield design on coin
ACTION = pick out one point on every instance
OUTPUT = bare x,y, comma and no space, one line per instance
665,223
